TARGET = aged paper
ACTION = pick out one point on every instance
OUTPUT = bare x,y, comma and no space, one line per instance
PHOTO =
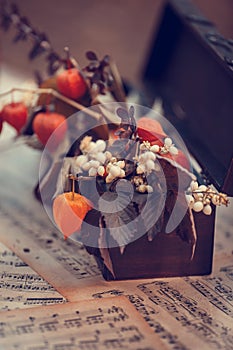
20,286
112,324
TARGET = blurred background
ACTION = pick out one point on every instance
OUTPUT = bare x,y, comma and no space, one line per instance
122,28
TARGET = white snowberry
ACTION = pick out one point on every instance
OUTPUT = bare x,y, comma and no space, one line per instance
100,146
150,165
122,173
80,160
173,150
94,163
207,210
168,142
115,171
150,155
92,171
121,164
101,157
86,166
90,147
108,155
149,188
155,148
194,185
101,170
143,157
109,178
141,188
140,169
202,188
198,206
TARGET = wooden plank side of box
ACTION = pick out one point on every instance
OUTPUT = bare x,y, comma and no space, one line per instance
166,256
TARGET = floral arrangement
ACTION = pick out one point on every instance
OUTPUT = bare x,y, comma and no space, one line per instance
136,152
141,163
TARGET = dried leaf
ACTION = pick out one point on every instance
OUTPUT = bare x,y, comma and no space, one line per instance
151,209
105,61
177,215
118,147
123,114
96,77
91,56
21,36
41,45
131,112
91,67
120,218
96,71
14,9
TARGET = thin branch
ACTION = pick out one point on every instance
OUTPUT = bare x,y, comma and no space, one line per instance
56,94
117,82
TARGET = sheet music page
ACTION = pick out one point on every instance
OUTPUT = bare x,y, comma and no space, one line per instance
112,324
22,287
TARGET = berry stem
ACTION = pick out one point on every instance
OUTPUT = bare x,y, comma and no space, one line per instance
73,189
72,178
68,62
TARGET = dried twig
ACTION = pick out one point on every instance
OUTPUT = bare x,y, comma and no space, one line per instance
56,94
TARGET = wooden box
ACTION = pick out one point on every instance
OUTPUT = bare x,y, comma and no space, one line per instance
189,67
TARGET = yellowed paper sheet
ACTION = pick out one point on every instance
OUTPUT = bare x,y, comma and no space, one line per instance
112,323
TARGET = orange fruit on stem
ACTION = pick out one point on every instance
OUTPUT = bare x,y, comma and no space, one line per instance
150,130
71,84
15,114
69,210
47,123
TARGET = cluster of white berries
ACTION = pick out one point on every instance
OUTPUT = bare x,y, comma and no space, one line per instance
97,161
168,147
141,185
146,162
114,169
93,158
146,159
200,197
